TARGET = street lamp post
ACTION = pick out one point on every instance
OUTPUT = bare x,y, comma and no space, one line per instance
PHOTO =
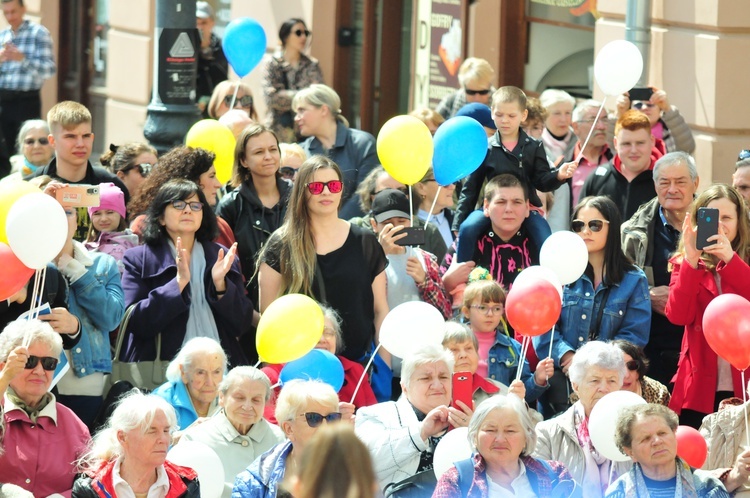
172,110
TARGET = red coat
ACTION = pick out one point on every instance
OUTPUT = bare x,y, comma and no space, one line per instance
690,291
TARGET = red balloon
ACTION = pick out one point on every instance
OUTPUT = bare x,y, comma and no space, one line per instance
691,446
15,273
726,326
533,308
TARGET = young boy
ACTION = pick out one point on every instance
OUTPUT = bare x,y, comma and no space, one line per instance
512,151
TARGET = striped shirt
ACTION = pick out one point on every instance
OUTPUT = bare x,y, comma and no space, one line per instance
35,42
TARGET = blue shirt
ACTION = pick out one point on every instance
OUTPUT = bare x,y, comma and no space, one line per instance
35,42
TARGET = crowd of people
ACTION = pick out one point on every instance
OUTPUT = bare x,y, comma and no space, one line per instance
177,270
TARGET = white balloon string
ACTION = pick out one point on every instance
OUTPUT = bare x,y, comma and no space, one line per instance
27,338
551,339
411,208
432,208
258,364
41,292
234,96
362,377
591,131
744,407
522,358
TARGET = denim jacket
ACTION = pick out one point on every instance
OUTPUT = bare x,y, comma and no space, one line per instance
626,315
502,364
96,299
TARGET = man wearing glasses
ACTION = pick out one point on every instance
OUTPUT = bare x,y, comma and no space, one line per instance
741,176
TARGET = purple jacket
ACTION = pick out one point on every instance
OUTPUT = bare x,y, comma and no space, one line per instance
149,282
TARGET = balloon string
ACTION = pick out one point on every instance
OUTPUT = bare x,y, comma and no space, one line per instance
234,96
27,338
411,208
591,131
744,403
522,358
362,377
432,208
41,290
551,339
258,364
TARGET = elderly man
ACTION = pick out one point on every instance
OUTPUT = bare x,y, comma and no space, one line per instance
627,179
741,176
649,238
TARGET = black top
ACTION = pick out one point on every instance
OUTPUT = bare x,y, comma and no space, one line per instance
348,273
628,196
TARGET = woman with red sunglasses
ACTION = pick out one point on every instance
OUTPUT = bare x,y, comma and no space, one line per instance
329,259
609,301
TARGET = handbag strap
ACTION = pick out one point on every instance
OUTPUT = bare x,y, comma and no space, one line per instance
594,332
321,284
122,331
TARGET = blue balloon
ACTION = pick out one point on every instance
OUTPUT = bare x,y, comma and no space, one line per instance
318,364
460,147
244,44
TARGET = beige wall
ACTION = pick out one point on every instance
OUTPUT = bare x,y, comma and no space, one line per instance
699,57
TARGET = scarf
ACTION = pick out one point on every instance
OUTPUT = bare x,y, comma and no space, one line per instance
28,169
33,413
635,485
596,474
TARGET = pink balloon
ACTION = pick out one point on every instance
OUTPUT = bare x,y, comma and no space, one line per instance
691,446
726,326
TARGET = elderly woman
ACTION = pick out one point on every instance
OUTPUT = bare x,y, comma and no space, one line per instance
193,379
319,118
34,148
301,409
238,433
475,77
558,136
128,456
221,99
42,438
647,434
402,435
597,369
182,284
501,433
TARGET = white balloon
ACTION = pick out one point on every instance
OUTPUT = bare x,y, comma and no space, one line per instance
411,325
603,422
536,272
618,67
453,447
204,461
37,229
565,253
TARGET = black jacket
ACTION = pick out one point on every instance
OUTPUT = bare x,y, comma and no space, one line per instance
607,180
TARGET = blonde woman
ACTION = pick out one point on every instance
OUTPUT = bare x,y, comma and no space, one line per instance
475,77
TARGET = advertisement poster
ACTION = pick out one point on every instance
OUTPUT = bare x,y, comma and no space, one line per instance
439,49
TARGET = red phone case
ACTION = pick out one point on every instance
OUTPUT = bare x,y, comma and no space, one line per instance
462,389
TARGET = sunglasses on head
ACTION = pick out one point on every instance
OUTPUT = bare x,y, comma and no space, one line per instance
642,105
32,141
632,365
300,32
287,171
144,169
48,363
744,154
315,419
245,101
594,225
179,205
476,92
334,187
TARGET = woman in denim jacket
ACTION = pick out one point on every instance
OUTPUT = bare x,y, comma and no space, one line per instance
609,301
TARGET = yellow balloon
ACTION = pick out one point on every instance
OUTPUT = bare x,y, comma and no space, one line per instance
213,136
405,148
10,192
290,328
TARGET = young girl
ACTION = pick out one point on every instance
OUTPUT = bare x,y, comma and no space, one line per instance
109,233
484,308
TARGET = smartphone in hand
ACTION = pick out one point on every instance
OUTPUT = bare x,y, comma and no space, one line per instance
414,236
78,195
643,94
708,225
463,389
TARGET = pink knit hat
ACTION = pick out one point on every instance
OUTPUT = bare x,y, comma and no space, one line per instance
110,197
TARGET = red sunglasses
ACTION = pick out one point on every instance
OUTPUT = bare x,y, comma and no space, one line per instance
334,187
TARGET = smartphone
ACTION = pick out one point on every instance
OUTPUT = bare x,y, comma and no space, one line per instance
78,195
463,385
708,225
641,93
414,236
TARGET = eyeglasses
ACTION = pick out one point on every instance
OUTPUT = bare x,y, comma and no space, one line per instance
632,365
483,308
328,332
476,92
144,169
334,187
32,141
48,363
300,32
287,172
642,105
744,154
180,205
594,225
315,419
246,101
602,119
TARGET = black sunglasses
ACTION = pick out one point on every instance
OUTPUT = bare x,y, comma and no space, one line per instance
315,419
476,92
287,171
300,32
244,101
594,225
32,141
48,363
632,365
744,154
144,169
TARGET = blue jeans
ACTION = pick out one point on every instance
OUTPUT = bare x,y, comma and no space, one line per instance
477,224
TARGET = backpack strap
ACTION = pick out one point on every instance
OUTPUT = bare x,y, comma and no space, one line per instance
465,475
